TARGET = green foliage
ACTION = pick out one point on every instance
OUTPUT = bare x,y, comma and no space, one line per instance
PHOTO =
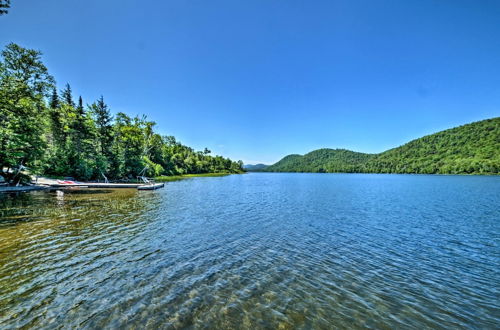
67,96
322,160
52,135
54,99
469,149
187,176
255,168
24,81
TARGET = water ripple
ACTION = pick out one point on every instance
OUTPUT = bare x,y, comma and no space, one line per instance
256,251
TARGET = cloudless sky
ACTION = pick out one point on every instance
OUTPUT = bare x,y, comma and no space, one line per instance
257,80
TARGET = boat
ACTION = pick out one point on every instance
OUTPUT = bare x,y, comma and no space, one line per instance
152,186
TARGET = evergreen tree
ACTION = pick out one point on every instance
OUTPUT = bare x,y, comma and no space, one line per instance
104,134
67,96
54,99
103,122
56,124
80,108
81,144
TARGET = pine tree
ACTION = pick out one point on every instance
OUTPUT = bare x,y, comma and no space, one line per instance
55,118
54,100
67,96
81,151
104,134
79,108
103,121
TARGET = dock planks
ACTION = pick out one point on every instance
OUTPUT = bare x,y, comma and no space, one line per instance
97,185
83,185
7,189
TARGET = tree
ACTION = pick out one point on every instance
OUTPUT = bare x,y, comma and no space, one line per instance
24,68
104,134
67,96
24,80
128,146
80,108
4,6
103,121
54,99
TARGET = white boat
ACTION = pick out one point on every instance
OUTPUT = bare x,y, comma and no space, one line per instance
152,186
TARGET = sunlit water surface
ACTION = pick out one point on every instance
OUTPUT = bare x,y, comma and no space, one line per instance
256,251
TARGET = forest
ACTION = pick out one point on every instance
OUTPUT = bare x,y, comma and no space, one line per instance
468,149
46,131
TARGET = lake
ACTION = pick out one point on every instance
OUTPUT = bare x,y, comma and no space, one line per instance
261,250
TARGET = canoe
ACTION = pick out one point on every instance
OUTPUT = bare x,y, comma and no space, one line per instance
151,186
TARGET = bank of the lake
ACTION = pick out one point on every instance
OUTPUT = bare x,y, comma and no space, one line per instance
43,183
187,176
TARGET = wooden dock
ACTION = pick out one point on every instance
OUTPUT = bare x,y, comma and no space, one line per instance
139,186
7,189
53,184
96,185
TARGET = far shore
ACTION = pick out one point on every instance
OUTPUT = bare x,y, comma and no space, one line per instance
187,176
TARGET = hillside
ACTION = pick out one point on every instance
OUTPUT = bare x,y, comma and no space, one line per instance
469,149
255,168
322,160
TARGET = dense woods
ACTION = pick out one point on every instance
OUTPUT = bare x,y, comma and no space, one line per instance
255,167
46,131
469,149
322,160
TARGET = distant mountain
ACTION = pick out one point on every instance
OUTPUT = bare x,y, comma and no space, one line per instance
469,149
255,168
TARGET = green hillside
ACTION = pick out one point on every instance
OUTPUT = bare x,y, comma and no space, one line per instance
469,149
255,167
322,160
472,148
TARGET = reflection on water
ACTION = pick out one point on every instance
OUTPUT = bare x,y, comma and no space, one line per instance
255,251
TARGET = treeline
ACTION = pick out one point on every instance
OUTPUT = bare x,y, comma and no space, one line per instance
469,149
48,132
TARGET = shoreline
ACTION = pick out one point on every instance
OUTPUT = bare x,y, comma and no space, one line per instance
391,173
47,185
166,178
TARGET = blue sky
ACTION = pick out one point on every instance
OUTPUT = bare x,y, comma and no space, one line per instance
257,80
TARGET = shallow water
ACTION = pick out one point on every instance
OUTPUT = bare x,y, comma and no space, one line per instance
256,251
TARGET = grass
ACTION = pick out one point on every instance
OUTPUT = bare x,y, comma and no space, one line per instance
187,176
163,178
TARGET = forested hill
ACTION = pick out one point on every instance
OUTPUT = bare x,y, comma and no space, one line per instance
255,167
322,160
469,149
49,131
